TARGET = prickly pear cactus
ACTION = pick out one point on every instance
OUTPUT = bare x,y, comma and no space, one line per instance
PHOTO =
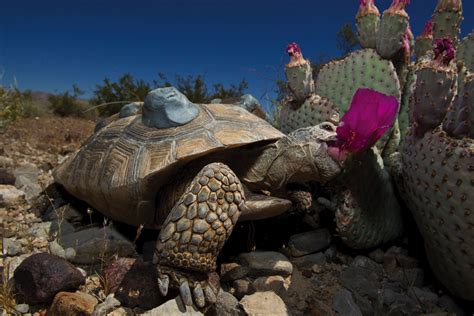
299,74
368,21
393,27
466,52
438,169
363,219
447,19
314,109
339,80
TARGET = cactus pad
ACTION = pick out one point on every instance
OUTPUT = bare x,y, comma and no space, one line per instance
313,111
459,122
466,52
447,19
339,80
438,188
434,91
367,30
369,213
390,37
300,80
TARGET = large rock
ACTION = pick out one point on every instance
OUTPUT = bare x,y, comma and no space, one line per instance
40,276
264,263
309,242
72,304
27,180
263,303
10,195
92,245
174,307
344,304
307,262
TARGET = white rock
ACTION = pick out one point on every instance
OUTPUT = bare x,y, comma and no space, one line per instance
264,263
40,230
12,246
264,303
10,194
56,249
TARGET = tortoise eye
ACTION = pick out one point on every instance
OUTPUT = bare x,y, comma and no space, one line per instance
328,127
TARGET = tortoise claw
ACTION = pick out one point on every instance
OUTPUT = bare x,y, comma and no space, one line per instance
210,295
199,295
185,292
163,284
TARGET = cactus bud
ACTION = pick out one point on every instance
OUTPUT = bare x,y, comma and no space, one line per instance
367,7
449,5
299,74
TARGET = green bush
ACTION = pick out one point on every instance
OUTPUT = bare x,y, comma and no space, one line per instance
11,105
69,104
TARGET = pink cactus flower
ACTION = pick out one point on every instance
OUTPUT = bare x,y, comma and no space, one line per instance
444,50
296,57
293,49
370,115
398,7
367,7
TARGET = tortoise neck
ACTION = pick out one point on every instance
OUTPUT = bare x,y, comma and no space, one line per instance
280,163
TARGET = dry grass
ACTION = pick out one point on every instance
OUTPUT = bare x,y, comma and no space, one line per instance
7,299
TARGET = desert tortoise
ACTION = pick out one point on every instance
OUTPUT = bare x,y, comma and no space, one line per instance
192,171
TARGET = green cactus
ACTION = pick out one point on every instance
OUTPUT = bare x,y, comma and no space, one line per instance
339,80
424,42
299,74
459,121
368,214
447,19
434,91
394,24
408,89
465,52
368,21
437,166
314,110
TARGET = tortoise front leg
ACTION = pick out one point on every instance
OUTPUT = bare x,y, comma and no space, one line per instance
195,231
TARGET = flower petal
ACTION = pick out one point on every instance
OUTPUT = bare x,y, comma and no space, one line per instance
370,115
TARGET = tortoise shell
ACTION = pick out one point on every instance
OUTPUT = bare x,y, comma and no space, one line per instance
121,167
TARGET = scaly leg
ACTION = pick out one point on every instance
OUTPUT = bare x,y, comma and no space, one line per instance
195,231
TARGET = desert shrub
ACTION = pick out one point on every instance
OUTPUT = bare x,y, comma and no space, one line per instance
11,104
69,104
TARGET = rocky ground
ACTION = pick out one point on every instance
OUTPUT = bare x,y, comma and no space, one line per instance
62,258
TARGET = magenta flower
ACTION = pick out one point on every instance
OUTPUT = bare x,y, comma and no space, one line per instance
398,7
444,50
370,115
293,50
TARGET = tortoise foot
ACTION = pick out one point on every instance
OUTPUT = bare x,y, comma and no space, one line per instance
202,288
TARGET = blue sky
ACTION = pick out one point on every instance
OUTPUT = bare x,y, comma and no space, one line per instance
49,45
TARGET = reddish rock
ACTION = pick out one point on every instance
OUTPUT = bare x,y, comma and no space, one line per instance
72,304
39,277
